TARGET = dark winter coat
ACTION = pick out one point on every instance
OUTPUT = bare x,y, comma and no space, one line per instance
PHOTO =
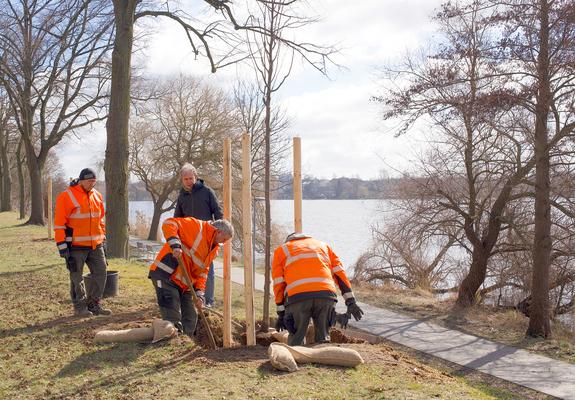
200,203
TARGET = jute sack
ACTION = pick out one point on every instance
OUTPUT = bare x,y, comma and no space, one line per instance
159,330
281,358
281,337
329,355
163,330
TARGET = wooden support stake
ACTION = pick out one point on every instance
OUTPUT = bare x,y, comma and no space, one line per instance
227,245
297,195
247,239
50,212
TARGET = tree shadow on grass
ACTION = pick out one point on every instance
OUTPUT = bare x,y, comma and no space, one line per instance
122,353
73,325
117,354
29,271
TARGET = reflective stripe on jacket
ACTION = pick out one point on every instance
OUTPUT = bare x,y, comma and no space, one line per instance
197,240
79,218
307,268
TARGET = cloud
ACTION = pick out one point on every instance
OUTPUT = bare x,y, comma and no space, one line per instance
343,135
342,131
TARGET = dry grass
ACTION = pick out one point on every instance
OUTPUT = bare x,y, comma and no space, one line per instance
502,325
48,354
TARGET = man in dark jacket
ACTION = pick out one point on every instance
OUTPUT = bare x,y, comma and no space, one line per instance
199,201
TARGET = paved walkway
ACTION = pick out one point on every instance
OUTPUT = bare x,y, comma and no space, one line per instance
552,377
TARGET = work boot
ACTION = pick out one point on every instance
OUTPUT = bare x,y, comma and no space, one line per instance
82,312
95,308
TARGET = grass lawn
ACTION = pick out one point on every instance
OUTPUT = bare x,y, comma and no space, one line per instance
46,353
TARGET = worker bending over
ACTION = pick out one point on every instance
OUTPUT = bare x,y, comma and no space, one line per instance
305,273
196,243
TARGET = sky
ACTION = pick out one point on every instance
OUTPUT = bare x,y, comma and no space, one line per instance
341,129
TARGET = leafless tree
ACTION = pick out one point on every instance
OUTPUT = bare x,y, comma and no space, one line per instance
273,60
183,120
469,176
405,253
214,33
483,105
538,40
53,69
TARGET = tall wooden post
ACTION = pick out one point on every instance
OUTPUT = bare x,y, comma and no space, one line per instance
297,195
228,245
49,209
247,239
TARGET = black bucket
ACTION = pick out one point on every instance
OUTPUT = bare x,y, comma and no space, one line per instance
112,283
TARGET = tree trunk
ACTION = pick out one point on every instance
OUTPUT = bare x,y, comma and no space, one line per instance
35,167
269,81
467,290
268,244
153,234
116,162
6,197
539,325
21,184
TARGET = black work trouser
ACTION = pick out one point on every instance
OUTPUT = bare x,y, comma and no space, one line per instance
176,306
96,261
319,310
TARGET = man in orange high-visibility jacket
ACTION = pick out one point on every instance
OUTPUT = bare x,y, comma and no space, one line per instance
196,243
305,273
80,235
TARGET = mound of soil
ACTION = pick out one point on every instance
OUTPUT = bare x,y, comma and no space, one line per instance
215,321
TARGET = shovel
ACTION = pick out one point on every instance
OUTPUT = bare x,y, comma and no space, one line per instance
195,298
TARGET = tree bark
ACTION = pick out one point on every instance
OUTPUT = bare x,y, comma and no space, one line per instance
153,234
116,162
6,199
467,290
21,184
268,244
539,325
6,183
35,170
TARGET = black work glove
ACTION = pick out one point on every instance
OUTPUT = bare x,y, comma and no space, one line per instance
64,253
280,323
341,319
290,324
71,264
353,309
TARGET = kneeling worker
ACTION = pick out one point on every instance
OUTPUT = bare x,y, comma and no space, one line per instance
305,272
196,243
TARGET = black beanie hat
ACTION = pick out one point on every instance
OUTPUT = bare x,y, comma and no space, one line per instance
87,173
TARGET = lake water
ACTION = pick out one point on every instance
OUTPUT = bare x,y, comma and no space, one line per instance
344,224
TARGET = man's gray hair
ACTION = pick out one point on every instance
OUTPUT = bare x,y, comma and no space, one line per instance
187,167
225,226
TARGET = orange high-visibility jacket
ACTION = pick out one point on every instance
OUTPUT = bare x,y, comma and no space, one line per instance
305,268
79,218
196,238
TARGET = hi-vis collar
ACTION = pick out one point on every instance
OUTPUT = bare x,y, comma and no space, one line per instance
296,236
